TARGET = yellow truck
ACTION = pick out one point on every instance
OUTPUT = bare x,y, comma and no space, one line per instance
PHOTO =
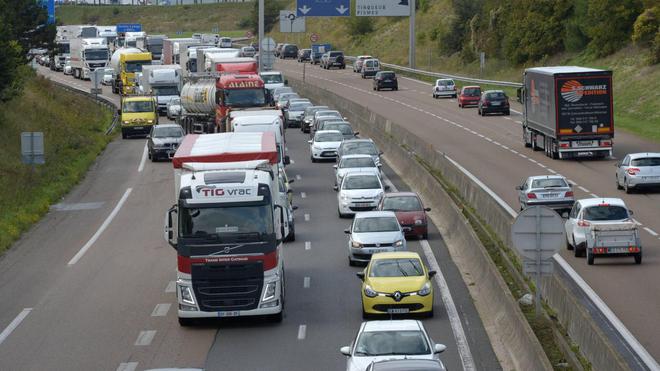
125,63
138,114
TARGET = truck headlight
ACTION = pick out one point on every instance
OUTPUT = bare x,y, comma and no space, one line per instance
356,245
398,243
419,222
269,291
186,295
369,292
150,121
425,290
125,122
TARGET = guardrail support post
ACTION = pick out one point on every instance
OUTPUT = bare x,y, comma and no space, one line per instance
411,41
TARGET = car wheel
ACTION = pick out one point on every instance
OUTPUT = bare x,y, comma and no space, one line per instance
638,258
590,257
185,322
292,235
425,236
480,112
396,88
374,88
429,314
626,187
123,135
579,249
313,159
618,185
341,216
277,318
568,245
454,96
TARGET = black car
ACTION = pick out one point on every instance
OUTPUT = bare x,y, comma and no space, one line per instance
304,55
385,80
494,101
163,140
289,51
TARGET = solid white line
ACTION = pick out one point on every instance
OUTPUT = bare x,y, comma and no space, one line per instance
584,189
144,159
14,324
145,338
171,287
306,217
127,366
651,231
98,233
302,332
452,313
308,245
637,222
303,195
518,112
306,281
594,195
161,310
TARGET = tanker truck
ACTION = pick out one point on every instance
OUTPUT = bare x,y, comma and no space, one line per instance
199,104
125,62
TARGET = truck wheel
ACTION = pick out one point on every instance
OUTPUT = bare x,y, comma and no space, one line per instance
185,322
638,258
590,257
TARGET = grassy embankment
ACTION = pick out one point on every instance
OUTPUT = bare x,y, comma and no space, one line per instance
162,19
74,134
636,96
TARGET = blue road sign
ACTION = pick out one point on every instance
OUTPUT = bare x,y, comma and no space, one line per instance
129,27
323,8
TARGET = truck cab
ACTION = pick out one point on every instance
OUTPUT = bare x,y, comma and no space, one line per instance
238,92
129,65
137,115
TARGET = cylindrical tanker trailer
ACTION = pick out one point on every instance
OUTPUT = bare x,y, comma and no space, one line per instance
198,100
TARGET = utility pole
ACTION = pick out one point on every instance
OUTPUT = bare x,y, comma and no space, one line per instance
411,42
261,34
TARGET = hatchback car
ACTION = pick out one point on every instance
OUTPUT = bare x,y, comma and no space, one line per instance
289,51
396,283
444,88
248,51
304,55
174,108
373,232
385,80
320,114
324,145
163,140
407,365
637,171
293,114
360,147
357,64
283,99
389,340
469,96
494,101
370,67
552,191
278,49
355,163
359,192
333,59
281,90
308,116
409,211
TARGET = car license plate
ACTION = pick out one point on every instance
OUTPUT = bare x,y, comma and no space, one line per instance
233,313
362,204
398,310
617,250
496,103
369,251
550,195
387,80
652,178
138,127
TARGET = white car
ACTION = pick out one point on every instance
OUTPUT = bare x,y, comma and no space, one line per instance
357,63
638,171
107,76
273,80
174,108
373,232
396,339
359,192
355,163
444,88
324,145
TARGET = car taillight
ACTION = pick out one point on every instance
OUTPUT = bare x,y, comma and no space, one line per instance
568,194
633,170
486,102
583,223
531,195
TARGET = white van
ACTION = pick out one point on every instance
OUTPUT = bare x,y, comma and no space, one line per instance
370,67
260,124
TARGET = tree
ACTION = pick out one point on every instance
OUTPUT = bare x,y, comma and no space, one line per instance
611,23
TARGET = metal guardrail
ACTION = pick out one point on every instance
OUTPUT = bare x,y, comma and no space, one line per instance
98,99
447,76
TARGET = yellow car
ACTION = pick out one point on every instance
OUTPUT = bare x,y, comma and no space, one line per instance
396,283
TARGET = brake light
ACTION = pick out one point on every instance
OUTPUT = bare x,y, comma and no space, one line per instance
606,143
486,102
568,194
506,103
633,170
531,195
604,204
564,145
583,223
633,249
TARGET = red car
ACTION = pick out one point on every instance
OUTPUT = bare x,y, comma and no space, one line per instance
469,96
409,212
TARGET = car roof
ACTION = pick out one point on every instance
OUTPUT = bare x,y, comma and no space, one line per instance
268,73
535,177
635,156
139,98
401,194
587,202
396,255
385,71
472,87
360,173
452,80
355,156
359,140
392,325
364,56
494,91
374,214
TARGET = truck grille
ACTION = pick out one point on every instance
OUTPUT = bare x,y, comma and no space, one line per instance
227,287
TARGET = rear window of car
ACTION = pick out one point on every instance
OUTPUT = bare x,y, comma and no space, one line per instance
361,182
387,75
404,203
605,212
376,224
445,83
472,92
648,161
357,162
365,148
291,48
344,129
496,95
336,54
549,183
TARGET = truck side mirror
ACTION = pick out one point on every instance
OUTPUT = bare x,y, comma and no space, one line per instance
169,230
280,231
286,82
287,160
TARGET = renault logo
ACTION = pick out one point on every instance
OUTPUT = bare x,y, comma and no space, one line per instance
397,296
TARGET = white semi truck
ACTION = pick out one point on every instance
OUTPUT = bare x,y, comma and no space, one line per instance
163,82
87,55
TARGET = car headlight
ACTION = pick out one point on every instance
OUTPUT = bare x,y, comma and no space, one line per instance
269,292
316,148
425,290
126,122
186,295
356,245
150,121
369,292
344,197
419,222
398,243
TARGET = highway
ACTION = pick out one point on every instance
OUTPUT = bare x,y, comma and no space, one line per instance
491,148
91,285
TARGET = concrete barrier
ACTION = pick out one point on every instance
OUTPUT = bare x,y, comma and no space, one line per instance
513,340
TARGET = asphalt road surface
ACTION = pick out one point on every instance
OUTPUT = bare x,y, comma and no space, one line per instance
491,148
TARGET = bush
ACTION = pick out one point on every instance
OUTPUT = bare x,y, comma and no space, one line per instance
115,11
611,22
646,27
655,49
359,26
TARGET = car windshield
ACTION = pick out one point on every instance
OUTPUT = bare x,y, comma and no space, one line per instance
549,183
328,137
136,66
336,54
383,343
361,182
445,83
167,132
243,223
403,203
287,96
245,98
282,90
396,268
496,95
299,106
140,106
344,129
363,148
376,224
165,90
605,212
272,79
648,161
472,92
357,162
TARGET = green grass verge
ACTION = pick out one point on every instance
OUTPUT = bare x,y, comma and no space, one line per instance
74,134
160,19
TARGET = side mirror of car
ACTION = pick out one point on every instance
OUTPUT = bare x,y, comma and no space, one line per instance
387,188
380,153
119,111
360,275
148,136
407,229
289,191
336,188
427,209
334,166
347,231
618,164
356,133
564,214
631,212
345,351
432,274
294,207
291,181
518,188
439,348
310,141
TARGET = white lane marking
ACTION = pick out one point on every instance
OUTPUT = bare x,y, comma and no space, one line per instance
14,324
541,165
302,332
102,228
303,195
583,189
594,195
651,231
306,217
161,310
127,366
76,206
292,162
638,223
171,287
518,112
298,177
570,181
306,282
417,81
308,245
145,338
452,313
552,171
144,159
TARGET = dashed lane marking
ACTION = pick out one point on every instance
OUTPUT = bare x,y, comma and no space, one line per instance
308,245
144,158
303,195
302,332
306,217
161,310
306,282
14,324
171,287
651,231
127,366
145,338
583,189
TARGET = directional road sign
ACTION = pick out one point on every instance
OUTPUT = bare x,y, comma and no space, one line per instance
323,8
289,22
382,8
129,27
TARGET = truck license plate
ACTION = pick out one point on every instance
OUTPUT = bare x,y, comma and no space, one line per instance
232,313
398,310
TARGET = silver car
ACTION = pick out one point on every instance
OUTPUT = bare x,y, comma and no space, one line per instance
293,114
638,170
308,116
283,99
248,51
355,163
444,88
163,141
174,108
373,232
552,191
281,90
360,147
359,192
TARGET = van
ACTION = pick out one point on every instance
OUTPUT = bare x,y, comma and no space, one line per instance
261,124
370,68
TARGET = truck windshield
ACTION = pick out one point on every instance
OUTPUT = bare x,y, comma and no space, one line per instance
63,48
134,107
165,90
272,79
96,54
245,97
605,212
136,66
227,224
